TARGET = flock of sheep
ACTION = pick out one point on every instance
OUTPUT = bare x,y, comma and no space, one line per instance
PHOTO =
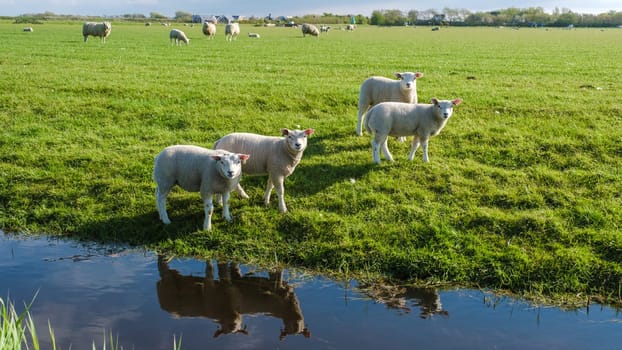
387,107
176,36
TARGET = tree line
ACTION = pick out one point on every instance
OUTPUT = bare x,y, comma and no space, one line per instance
532,17
526,17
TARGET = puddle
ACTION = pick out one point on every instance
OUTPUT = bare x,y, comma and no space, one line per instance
84,289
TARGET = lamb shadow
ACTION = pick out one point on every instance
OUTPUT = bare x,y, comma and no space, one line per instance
147,229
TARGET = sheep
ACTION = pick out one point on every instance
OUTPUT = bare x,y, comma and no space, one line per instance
275,156
102,30
351,27
197,169
404,119
309,29
324,29
209,29
232,30
254,35
178,36
29,29
380,89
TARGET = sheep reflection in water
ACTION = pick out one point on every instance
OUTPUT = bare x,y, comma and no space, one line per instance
398,297
226,299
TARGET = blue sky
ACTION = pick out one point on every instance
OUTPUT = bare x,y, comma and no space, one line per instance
262,8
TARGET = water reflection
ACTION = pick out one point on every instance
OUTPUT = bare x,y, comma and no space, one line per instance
404,298
86,289
226,299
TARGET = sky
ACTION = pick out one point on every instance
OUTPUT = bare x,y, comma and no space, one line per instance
262,8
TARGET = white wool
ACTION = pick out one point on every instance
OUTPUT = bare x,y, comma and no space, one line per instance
309,29
177,36
102,30
380,89
275,156
232,30
209,29
405,119
197,169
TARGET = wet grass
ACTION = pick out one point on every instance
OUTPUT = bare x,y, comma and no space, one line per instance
522,192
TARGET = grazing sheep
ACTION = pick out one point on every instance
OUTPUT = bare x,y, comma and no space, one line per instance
275,156
309,29
351,27
29,29
324,29
254,35
178,36
209,29
380,89
404,119
232,30
197,169
102,30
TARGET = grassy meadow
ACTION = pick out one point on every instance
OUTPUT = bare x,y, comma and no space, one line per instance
522,192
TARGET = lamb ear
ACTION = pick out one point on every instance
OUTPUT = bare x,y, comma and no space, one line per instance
244,157
217,157
284,131
418,74
309,131
457,101
398,75
434,100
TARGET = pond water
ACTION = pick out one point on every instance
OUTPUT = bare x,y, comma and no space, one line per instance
85,290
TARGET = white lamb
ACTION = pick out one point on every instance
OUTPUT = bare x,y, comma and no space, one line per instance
275,156
232,30
404,119
380,89
178,36
197,169
309,29
102,30
209,29
254,35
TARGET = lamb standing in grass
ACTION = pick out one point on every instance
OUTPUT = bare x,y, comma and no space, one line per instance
197,169
404,119
209,29
380,89
275,156
309,29
232,30
178,36
102,30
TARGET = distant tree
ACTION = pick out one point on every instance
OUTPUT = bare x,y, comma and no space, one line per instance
156,15
377,18
182,16
412,16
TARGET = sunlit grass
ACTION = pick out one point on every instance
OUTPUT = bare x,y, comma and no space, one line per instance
521,192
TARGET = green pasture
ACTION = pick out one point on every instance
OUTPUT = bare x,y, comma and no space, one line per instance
522,192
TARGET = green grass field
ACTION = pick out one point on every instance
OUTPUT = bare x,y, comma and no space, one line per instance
522,192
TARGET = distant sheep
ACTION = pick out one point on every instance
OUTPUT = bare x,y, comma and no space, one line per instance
404,119
254,35
275,156
197,169
177,36
380,89
324,29
351,27
209,29
232,30
309,29
29,29
102,30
